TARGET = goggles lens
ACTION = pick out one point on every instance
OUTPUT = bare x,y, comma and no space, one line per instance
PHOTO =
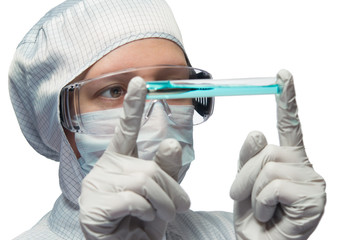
108,91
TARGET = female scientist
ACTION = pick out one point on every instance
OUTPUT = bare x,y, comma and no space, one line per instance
78,88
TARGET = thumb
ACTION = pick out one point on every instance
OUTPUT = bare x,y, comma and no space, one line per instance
254,143
169,156
247,173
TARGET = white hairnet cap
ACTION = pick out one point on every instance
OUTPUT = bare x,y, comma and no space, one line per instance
65,42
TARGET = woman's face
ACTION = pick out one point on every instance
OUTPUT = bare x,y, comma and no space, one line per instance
140,53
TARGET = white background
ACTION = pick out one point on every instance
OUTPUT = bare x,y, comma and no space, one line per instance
318,41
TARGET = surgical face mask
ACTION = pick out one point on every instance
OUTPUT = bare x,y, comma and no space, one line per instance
154,129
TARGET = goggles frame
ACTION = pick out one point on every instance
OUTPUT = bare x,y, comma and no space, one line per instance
70,110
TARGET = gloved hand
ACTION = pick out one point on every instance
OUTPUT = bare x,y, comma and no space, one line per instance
277,193
124,197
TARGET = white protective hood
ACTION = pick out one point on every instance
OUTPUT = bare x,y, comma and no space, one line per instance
65,42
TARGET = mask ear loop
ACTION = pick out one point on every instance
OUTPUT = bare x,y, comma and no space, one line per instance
151,107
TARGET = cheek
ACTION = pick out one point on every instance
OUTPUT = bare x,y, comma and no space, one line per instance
183,101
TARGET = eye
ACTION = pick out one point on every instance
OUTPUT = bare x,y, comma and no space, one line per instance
113,92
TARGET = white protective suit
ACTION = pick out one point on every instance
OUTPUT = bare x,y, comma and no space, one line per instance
64,43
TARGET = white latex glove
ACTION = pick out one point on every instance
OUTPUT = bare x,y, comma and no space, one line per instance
124,197
277,193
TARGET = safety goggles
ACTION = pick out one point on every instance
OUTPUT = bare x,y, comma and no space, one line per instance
108,91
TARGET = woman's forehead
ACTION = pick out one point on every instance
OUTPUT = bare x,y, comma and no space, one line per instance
140,53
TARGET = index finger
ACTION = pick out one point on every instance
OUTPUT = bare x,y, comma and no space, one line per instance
288,122
126,133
